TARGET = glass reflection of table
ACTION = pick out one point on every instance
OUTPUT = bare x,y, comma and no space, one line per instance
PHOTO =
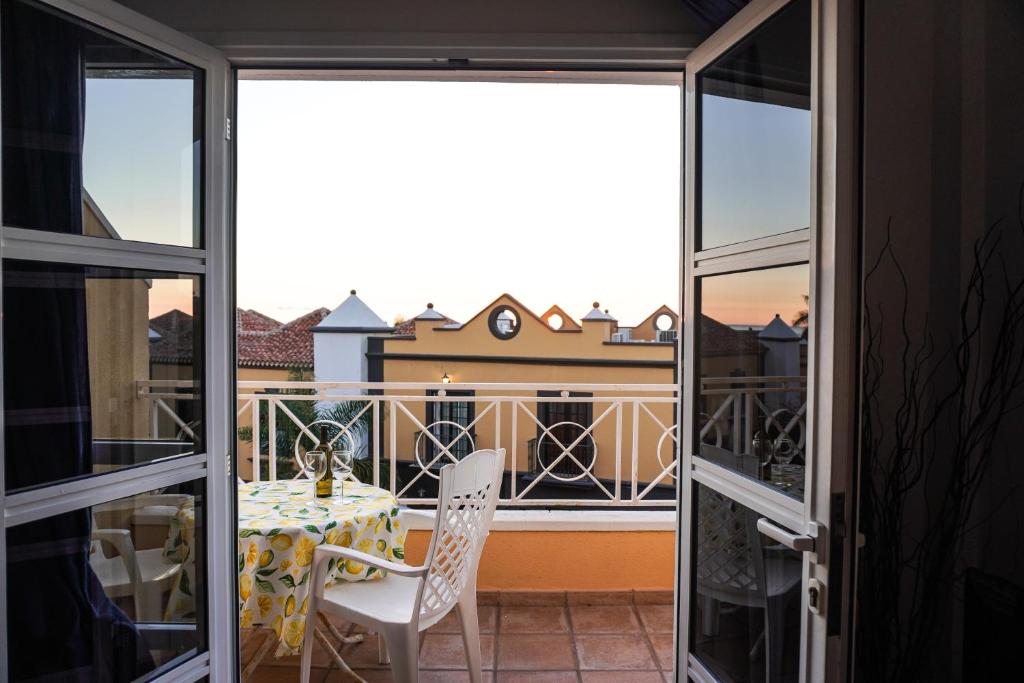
789,479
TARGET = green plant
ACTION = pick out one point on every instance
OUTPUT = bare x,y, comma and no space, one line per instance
351,414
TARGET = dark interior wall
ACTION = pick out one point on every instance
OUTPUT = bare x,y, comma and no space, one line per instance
941,577
438,28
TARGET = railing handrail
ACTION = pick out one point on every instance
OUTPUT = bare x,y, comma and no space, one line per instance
630,430
479,386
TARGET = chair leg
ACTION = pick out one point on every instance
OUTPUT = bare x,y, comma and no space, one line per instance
382,650
470,633
308,643
709,616
403,642
147,602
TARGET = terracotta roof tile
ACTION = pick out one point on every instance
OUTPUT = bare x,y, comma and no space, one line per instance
286,346
254,321
719,338
407,328
262,341
176,338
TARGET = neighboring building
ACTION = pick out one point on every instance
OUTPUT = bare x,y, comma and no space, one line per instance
506,342
340,341
270,350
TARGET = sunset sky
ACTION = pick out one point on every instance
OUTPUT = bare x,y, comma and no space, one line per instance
452,193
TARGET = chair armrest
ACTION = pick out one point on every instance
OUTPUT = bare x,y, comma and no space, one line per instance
323,552
121,539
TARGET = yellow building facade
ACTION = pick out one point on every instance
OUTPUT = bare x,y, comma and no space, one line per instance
527,349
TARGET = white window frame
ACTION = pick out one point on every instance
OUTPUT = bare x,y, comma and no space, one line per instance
829,246
213,262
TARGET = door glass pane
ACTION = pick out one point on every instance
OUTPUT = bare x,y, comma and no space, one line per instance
755,133
101,369
108,593
745,615
102,136
752,364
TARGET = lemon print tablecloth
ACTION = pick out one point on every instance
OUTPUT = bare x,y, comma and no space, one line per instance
279,525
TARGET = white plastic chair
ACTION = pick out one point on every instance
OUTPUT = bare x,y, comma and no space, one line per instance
143,574
412,599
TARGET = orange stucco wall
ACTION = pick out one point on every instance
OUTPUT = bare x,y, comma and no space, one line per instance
569,560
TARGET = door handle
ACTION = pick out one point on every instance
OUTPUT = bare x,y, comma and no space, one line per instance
800,542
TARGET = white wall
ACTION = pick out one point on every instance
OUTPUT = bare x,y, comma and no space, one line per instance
339,357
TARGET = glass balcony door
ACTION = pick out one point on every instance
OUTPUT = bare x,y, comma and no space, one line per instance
760,486
116,550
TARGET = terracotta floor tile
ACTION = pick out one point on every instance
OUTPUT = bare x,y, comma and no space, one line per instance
621,677
604,619
656,618
487,597
600,597
451,677
362,655
277,674
445,651
531,598
321,659
664,644
251,644
535,652
538,619
379,676
536,677
486,615
370,675
614,653
653,597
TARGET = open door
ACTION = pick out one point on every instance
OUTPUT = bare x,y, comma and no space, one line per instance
117,547
767,352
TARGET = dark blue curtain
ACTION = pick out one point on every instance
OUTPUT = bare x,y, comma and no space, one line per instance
60,622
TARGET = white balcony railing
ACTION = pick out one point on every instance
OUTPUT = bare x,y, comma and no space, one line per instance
580,445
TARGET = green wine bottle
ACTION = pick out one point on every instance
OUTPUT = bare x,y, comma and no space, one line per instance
325,484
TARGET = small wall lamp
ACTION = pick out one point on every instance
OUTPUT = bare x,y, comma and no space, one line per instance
445,379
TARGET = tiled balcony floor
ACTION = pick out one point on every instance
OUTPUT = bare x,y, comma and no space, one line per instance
526,638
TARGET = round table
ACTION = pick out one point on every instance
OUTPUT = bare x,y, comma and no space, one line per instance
279,525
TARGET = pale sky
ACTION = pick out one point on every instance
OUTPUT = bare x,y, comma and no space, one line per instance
452,193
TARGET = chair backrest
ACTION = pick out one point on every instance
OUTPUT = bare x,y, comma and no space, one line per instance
730,566
467,496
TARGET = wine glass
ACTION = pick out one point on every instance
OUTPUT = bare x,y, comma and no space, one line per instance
342,466
316,465
785,449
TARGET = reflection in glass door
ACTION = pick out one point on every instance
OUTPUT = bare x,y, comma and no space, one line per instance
113,555
748,536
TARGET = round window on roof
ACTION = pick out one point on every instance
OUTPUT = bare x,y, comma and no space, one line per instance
555,321
504,322
664,322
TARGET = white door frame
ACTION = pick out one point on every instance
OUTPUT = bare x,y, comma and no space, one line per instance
213,262
830,246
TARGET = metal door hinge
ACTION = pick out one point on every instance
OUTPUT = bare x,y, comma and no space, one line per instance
227,128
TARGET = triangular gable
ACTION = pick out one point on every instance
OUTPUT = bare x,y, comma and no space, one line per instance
568,324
